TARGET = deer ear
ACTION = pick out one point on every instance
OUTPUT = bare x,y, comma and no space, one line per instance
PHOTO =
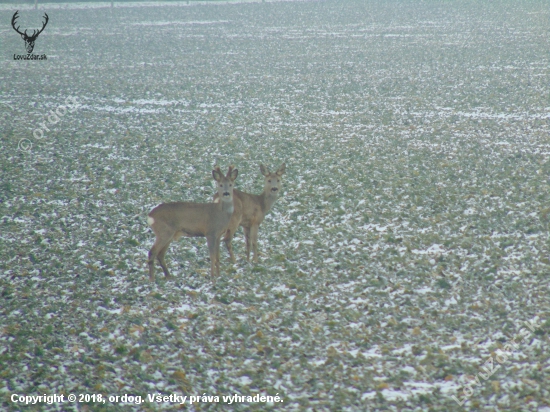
264,170
281,170
217,174
232,172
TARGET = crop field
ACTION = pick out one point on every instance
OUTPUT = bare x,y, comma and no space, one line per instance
405,265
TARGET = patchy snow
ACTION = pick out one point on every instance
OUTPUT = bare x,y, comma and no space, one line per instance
409,242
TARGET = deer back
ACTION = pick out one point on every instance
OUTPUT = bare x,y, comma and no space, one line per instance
191,219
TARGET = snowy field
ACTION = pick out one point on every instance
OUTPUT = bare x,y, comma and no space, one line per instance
407,250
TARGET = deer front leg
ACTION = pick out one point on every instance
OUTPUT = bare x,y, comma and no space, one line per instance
218,271
233,227
247,241
254,241
214,252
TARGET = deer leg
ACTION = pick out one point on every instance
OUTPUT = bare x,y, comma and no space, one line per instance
228,239
254,241
218,258
160,258
158,246
247,240
231,229
213,247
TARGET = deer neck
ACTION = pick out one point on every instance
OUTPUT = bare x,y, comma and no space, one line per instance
227,206
268,199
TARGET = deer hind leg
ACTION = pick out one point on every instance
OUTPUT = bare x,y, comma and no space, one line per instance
160,244
160,258
254,241
247,240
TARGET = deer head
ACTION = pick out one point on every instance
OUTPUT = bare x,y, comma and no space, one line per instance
29,40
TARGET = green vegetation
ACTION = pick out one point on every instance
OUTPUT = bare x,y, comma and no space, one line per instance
410,241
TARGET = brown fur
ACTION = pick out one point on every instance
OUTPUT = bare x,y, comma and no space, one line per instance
170,221
252,211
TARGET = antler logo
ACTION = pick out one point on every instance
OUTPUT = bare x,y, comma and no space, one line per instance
29,40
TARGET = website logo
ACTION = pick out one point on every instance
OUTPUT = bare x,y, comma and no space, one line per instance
29,40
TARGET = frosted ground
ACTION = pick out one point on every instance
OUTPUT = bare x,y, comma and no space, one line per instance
410,244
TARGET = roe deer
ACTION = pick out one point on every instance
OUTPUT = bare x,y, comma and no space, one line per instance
170,221
254,209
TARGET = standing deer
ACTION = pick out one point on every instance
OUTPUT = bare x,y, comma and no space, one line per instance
251,211
170,221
